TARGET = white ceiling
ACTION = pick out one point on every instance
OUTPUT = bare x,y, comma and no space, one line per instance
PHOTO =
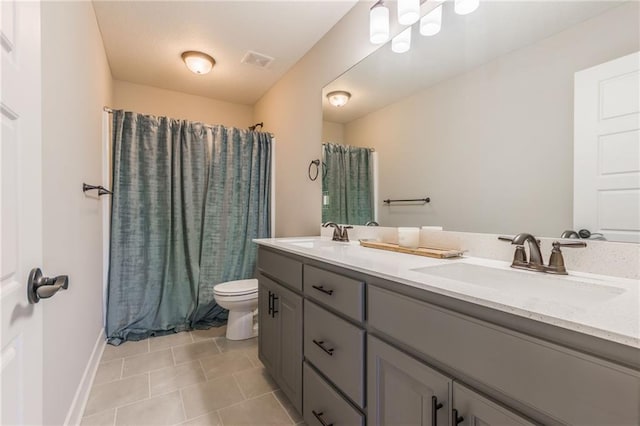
144,39
465,42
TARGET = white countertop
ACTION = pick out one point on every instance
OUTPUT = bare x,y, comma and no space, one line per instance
614,317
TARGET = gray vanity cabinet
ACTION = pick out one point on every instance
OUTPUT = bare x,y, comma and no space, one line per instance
473,409
280,336
402,390
400,356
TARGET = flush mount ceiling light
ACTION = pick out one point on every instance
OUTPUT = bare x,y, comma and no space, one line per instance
431,23
379,23
338,98
198,62
408,11
464,7
402,42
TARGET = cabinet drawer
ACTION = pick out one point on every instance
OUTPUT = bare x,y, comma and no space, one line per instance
566,385
286,270
341,293
336,348
323,404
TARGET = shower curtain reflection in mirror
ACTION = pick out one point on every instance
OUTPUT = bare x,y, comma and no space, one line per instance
347,184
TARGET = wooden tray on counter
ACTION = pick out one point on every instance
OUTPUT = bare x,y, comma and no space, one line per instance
420,251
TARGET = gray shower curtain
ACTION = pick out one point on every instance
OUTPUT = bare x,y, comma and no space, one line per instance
347,184
187,201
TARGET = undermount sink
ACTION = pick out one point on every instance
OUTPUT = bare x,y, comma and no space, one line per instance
535,285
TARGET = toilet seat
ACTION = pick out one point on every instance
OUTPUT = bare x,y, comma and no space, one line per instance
237,288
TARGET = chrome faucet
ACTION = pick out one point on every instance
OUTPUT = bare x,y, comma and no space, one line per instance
372,223
339,232
570,234
535,262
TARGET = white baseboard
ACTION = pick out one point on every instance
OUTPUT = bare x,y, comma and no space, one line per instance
74,416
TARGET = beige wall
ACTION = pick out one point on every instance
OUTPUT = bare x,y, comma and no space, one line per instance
151,100
292,110
76,83
332,132
493,148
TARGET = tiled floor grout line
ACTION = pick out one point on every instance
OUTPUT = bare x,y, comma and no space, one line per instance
241,402
184,410
173,356
217,345
235,379
282,406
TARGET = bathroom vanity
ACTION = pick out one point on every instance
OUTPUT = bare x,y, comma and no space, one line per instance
356,336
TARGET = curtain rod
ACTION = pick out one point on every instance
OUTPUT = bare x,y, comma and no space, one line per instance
110,111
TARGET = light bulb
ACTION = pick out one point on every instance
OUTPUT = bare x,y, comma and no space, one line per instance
402,42
408,11
431,23
379,23
464,7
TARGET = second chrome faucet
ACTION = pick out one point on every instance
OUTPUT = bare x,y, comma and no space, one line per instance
535,261
339,232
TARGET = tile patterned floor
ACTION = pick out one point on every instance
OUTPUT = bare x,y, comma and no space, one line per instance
191,378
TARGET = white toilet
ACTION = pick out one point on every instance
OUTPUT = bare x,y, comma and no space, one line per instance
241,299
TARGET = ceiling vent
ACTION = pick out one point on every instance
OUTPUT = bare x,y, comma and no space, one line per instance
257,59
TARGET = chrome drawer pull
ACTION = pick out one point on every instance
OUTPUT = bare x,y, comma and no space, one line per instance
320,419
321,345
322,289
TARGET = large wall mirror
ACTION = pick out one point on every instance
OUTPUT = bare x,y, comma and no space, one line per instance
482,118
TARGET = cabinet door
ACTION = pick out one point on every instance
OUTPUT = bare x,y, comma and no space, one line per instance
268,333
473,409
403,391
288,307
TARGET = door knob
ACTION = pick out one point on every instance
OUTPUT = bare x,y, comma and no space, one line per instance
39,287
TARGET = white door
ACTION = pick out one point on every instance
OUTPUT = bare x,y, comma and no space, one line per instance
607,149
20,212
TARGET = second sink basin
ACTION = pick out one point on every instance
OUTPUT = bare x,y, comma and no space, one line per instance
535,285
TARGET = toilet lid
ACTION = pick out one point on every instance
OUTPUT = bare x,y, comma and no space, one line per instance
238,288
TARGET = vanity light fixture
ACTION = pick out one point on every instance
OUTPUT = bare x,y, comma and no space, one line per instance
408,11
431,23
402,42
464,7
379,23
338,98
198,62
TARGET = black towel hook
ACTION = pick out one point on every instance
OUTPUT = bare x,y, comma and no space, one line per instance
101,189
